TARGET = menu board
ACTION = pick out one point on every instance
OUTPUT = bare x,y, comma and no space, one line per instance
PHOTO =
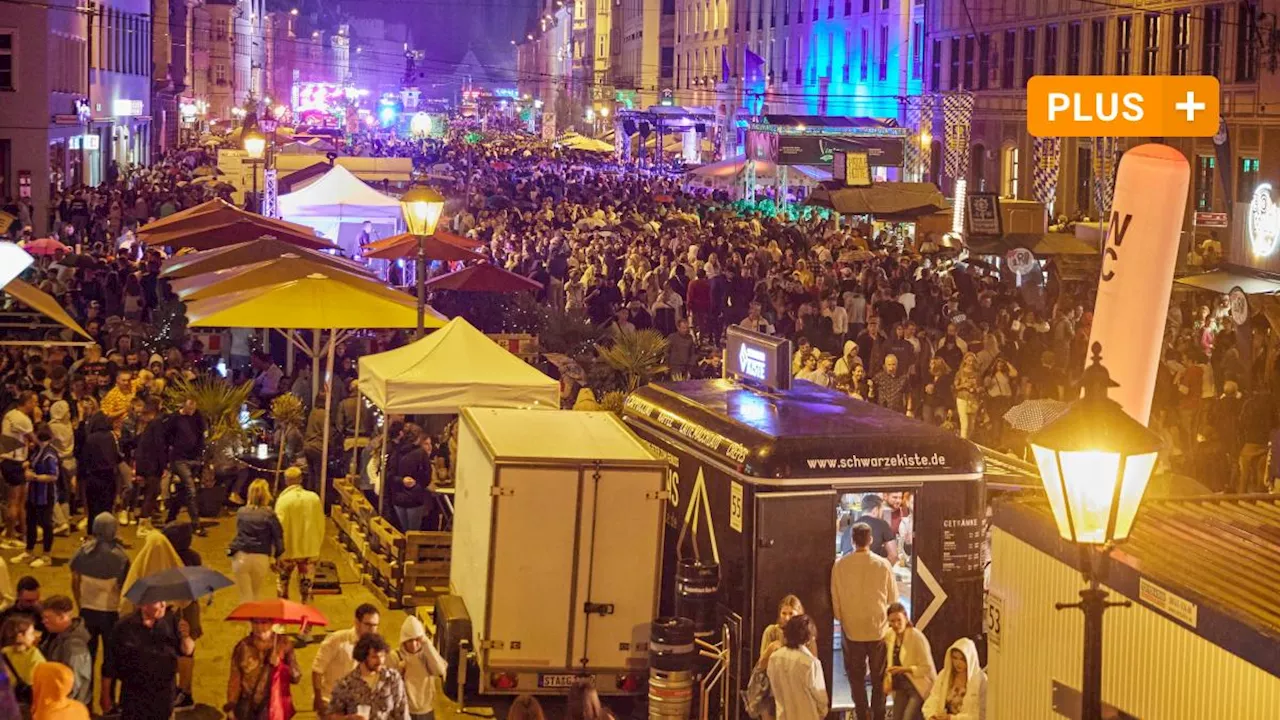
962,546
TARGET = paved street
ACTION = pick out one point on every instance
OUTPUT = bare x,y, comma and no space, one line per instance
214,649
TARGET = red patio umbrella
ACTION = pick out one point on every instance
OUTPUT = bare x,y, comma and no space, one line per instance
45,246
483,277
280,611
434,247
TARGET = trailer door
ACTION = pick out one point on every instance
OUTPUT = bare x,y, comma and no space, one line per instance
795,549
622,513
531,581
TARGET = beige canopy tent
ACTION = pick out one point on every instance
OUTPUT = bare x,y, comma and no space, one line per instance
454,367
317,302
44,305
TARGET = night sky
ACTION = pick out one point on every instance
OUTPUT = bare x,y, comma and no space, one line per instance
445,29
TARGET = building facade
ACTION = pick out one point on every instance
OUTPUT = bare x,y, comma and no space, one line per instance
171,74
43,103
643,58
994,53
120,61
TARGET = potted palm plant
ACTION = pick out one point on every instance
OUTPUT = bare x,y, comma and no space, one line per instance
637,356
230,425
288,415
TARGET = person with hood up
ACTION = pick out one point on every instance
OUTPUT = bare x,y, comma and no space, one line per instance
52,694
844,365
419,663
66,641
302,525
99,570
64,441
960,692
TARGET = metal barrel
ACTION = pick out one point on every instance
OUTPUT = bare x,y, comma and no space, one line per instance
697,584
671,654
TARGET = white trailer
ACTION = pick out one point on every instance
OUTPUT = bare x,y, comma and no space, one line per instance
1202,639
557,548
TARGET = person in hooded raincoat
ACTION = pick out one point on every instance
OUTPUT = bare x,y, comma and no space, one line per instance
52,688
419,663
99,570
960,691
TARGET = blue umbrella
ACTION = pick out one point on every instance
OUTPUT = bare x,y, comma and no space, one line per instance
177,585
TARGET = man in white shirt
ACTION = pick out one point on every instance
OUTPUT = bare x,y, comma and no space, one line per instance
862,587
19,428
334,660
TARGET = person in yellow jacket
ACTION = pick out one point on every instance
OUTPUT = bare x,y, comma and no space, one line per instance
302,518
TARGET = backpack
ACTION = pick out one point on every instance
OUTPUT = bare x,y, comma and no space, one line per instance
757,699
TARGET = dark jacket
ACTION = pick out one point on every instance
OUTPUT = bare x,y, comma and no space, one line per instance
416,464
152,450
71,648
101,451
185,436
257,531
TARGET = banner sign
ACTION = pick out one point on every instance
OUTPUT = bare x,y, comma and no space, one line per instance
983,212
820,149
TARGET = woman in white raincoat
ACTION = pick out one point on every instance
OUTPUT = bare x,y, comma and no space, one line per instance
960,692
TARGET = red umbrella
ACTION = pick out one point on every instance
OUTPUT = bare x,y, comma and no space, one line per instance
434,247
45,246
280,611
501,165
663,198
483,277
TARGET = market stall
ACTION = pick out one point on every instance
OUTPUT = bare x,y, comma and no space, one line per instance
337,206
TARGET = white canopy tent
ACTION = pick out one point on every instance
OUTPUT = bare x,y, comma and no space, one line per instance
338,204
456,366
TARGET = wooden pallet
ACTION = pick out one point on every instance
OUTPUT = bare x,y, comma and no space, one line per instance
346,490
423,593
427,547
389,602
386,539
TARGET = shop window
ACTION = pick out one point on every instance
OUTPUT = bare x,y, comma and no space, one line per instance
1248,179
1204,182
8,56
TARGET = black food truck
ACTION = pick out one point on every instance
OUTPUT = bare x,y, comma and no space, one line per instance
767,479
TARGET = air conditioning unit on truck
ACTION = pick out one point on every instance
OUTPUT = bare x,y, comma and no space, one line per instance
557,548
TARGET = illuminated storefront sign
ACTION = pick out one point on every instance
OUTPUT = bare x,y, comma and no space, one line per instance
1264,222
758,359
83,142
126,108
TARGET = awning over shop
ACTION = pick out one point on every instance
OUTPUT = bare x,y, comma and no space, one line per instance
897,199
1048,244
1223,281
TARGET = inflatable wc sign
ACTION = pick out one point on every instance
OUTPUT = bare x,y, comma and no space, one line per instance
1139,254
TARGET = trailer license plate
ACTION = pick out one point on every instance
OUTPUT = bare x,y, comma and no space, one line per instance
559,680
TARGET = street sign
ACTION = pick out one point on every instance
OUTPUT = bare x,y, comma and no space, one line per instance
1211,219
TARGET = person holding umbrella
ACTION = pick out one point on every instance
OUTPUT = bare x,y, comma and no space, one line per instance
263,666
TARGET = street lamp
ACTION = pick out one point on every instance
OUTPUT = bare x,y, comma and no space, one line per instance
1095,462
255,144
422,207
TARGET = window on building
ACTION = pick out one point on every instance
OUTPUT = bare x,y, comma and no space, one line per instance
884,4
1204,182
1211,38
1248,179
848,55
917,49
1007,53
678,77
848,8
8,57
1150,43
865,53
1181,40
814,17
1084,177
831,9
1124,44
935,66
786,12
1097,46
799,76
953,77
1010,171
800,11
968,62
866,6
1075,41
1028,55
883,51
1050,50
1247,43
773,15
984,60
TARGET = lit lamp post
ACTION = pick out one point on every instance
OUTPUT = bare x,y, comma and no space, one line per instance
422,207
255,144
1095,462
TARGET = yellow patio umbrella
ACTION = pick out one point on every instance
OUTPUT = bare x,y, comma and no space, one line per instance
317,302
240,278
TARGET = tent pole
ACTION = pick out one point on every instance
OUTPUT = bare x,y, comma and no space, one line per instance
355,441
383,477
315,364
328,415
289,353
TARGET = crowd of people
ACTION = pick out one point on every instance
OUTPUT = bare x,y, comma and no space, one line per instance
97,439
